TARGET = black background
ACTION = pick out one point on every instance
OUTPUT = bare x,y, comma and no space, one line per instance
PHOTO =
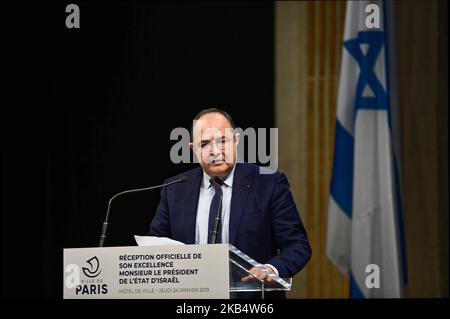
87,112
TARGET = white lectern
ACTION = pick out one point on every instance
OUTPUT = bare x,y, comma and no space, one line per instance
170,272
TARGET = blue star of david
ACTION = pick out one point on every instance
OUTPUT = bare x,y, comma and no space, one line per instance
367,76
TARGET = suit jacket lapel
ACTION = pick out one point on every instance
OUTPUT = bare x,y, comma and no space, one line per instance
190,204
241,188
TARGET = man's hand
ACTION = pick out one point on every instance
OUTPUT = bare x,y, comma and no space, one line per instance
258,273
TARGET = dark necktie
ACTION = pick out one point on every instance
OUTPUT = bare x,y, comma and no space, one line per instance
215,210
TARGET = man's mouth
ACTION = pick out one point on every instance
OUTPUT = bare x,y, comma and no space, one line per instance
217,162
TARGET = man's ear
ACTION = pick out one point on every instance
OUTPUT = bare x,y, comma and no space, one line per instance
191,145
237,136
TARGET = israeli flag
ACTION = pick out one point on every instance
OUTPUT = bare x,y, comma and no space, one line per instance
365,232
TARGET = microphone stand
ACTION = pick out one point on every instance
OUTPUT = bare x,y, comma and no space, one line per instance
105,223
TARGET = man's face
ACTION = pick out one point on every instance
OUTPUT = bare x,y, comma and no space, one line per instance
214,144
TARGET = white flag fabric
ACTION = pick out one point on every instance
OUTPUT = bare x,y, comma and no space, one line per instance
365,232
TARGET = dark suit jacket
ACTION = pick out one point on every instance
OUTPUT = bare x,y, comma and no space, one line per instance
264,221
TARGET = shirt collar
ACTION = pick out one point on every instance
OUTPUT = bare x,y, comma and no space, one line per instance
228,181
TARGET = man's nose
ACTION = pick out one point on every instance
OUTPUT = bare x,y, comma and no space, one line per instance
215,149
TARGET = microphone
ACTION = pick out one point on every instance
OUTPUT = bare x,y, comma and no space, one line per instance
183,179
218,219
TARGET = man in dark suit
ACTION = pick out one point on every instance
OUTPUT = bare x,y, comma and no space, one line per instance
258,213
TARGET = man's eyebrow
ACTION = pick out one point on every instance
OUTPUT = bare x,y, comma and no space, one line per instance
219,137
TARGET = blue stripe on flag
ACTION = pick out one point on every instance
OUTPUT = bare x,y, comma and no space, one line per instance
355,292
342,181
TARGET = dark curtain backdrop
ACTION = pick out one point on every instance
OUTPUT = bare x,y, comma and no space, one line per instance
87,112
